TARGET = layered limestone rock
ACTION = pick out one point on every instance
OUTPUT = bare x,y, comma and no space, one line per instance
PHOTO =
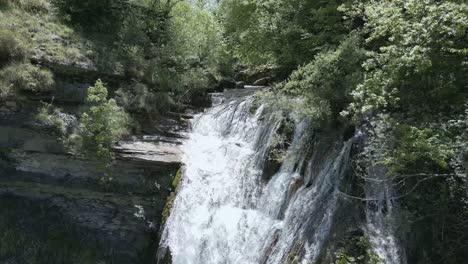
43,187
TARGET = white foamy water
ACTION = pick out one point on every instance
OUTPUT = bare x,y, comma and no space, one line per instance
379,213
225,212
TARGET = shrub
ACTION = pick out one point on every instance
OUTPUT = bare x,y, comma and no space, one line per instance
12,47
28,78
417,148
100,127
33,5
51,117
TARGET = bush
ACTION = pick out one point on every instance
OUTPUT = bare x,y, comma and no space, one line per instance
100,127
51,117
12,47
28,78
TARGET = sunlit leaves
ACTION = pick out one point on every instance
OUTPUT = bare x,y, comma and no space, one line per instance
100,127
415,39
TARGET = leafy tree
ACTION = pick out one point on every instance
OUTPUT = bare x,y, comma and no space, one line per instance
100,127
418,61
284,32
194,48
328,80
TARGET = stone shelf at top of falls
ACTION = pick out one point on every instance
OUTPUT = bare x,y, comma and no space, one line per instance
230,94
150,148
248,90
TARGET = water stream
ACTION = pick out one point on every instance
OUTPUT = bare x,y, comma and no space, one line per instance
226,212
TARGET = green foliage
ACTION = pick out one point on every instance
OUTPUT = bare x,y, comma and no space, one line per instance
126,36
49,116
343,258
100,127
165,46
401,75
420,60
46,37
458,133
366,256
284,32
13,47
25,77
407,149
328,80
33,5
195,37
193,52
414,146
93,16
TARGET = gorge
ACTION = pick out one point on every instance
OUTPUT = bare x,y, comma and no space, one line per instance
233,132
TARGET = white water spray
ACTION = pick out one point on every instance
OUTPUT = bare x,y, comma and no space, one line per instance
225,212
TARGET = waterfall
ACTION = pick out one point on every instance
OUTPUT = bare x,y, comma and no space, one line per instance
379,212
225,211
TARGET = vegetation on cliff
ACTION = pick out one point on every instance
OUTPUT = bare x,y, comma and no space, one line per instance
99,129
396,70
168,51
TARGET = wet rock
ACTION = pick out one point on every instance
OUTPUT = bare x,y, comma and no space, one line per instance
263,81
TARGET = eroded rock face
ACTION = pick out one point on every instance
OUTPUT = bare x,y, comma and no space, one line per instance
54,208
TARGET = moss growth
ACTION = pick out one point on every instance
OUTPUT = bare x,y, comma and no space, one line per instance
172,196
292,258
177,178
167,208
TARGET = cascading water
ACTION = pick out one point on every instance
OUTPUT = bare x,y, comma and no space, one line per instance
225,211
379,210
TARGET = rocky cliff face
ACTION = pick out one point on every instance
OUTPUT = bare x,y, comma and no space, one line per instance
53,208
